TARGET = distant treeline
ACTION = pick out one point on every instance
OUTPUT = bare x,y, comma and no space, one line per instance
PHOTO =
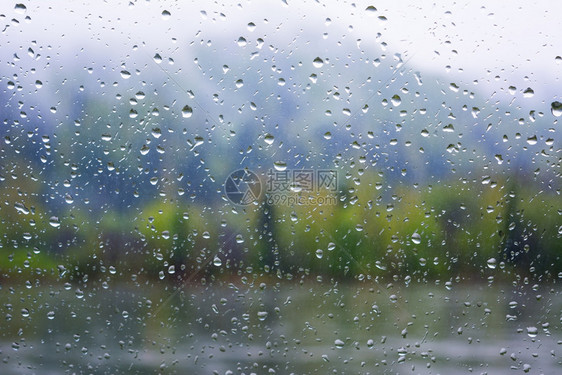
448,230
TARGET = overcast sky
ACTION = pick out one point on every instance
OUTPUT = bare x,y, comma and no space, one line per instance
497,43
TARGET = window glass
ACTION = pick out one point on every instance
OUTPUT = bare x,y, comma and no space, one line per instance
280,187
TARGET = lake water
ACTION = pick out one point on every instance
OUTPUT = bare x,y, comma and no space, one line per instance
269,327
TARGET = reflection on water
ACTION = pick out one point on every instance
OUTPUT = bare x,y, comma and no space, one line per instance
272,327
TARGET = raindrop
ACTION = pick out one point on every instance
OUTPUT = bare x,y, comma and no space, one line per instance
528,93
319,253
371,10
54,222
156,133
217,262
269,139
157,58
262,315
491,263
318,62
532,331
242,41
280,166
20,8
125,74
331,246
416,238
532,140
339,343
556,108
396,100
51,315
327,135
166,15
187,112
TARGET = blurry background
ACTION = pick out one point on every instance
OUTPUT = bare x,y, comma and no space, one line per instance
121,123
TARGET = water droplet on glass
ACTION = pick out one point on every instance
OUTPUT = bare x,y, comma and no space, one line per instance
491,263
157,58
396,100
556,108
269,139
24,312
51,315
339,343
280,166
318,62
528,93
319,253
125,74
187,111
156,133
217,262
532,140
371,10
532,331
416,238
20,8
262,315
242,41
54,222
166,15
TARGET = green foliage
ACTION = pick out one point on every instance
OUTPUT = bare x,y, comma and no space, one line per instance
436,232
